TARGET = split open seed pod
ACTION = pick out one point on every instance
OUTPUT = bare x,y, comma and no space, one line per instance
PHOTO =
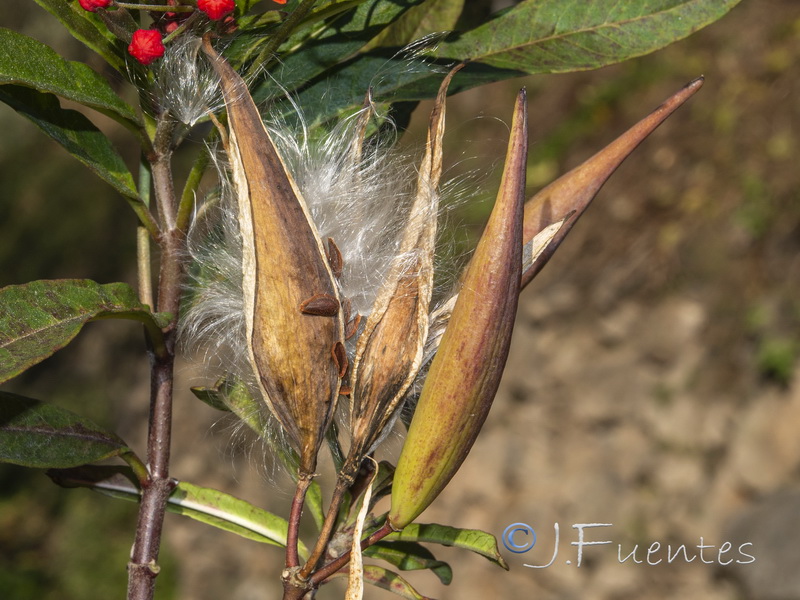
294,325
389,351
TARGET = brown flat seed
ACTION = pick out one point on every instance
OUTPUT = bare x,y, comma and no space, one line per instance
352,327
347,308
321,305
340,357
335,258
345,390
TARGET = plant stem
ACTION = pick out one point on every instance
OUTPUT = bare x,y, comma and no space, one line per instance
187,201
292,535
157,7
143,567
327,527
143,240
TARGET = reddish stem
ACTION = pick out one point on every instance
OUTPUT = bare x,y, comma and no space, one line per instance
292,535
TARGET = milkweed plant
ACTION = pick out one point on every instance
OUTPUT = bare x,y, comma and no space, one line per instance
309,273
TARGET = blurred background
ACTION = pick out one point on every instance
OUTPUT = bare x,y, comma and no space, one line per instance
653,378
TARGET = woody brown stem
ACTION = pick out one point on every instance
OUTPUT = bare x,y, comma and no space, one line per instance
143,567
292,535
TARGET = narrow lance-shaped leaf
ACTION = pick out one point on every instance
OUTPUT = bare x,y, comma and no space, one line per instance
573,191
39,318
206,505
556,36
36,434
465,373
474,540
44,70
390,348
410,556
294,325
73,131
87,28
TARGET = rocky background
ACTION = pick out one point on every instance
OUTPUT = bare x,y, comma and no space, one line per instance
652,383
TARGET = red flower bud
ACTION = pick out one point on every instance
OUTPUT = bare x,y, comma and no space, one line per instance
93,5
216,9
146,46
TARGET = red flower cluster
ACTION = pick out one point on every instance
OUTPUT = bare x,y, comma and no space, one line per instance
93,5
146,46
216,9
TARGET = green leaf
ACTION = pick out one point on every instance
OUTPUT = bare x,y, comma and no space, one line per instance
206,505
87,28
534,37
231,395
314,504
212,396
341,39
410,556
36,434
73,131
39,318
555,36
432,16
389,580
382,486
231,514
44,70
474,540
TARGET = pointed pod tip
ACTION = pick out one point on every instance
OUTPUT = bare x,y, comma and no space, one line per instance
521,112
521,107
697,82
673,102
690,88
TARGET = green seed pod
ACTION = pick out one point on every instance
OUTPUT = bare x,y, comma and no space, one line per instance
294,325
466,371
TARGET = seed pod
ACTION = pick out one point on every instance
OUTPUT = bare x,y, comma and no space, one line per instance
465,373
389,349
293,323
573,191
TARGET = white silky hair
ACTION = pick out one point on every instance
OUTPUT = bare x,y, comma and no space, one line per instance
361,204
185,83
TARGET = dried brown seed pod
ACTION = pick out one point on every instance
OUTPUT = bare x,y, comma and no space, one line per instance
284,267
